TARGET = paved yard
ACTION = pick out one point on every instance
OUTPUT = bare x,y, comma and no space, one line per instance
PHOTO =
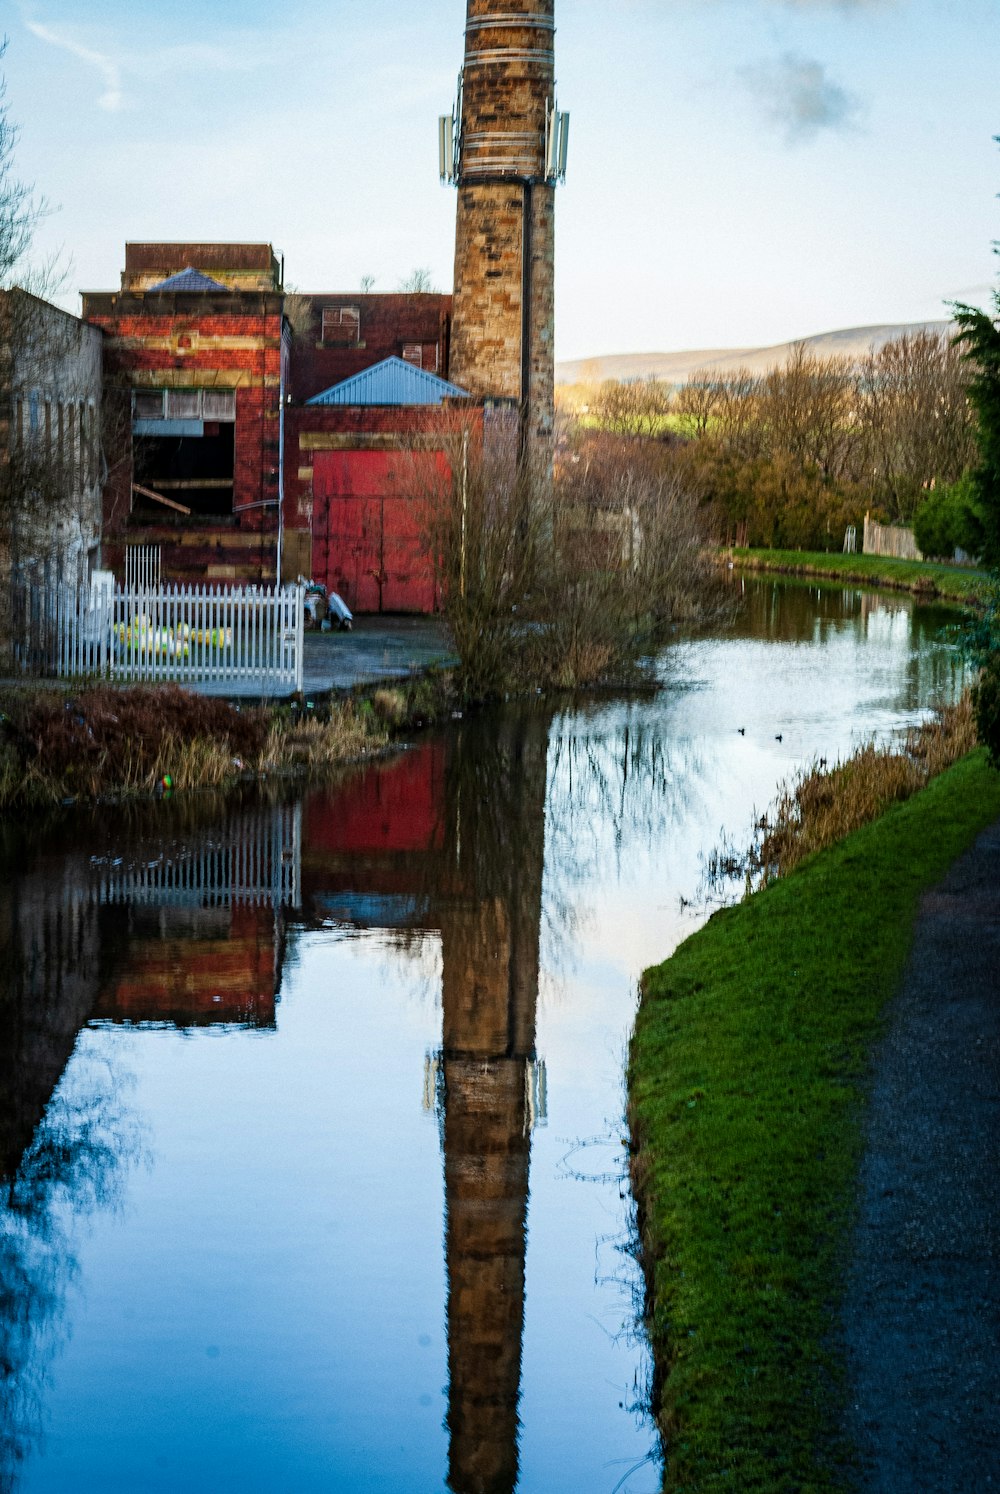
378,648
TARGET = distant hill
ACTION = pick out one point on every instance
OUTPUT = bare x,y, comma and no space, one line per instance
677,368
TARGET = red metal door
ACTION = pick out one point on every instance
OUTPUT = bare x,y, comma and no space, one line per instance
370,540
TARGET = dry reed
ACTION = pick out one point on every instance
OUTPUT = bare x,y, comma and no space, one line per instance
821,805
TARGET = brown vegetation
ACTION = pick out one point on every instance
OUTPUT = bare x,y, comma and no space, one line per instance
567,583
101,741
790,458
823,805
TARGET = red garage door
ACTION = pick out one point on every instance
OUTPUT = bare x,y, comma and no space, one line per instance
370,532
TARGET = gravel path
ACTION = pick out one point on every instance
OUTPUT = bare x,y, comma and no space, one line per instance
922,1317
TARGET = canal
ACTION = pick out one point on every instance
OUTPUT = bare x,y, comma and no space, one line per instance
311,1108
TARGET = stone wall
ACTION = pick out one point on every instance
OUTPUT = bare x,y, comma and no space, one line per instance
506,214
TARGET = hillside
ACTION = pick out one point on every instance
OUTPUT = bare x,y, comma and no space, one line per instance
677,368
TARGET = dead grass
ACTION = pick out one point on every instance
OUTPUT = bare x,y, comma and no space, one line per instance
821,806
349,732
100,742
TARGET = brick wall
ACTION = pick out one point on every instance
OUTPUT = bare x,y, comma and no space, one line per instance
388,324
239,266
231,341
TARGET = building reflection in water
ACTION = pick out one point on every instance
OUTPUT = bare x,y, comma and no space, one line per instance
178,919
174,921
491,1096
450,839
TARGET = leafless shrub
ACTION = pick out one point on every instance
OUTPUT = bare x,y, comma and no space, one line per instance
560,585
638,408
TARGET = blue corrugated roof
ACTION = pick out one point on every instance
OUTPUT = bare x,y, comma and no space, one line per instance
189,280
391,382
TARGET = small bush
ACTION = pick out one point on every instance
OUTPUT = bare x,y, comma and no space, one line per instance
949,519
102,735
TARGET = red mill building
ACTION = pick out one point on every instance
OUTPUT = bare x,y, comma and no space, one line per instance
505,147
255,437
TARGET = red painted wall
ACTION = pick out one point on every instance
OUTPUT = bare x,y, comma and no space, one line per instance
358,479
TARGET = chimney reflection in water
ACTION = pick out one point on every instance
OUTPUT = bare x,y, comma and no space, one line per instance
489,1083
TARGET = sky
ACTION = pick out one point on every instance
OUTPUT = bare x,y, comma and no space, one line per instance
741,172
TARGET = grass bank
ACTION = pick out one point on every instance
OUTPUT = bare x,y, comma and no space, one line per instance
921,577
747,1080
102,742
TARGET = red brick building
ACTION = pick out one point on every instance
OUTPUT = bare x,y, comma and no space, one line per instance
231,445
196,363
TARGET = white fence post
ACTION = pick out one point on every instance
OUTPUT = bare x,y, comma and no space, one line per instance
248,641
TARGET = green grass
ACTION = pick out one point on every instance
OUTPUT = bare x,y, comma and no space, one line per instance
955,583
747,1080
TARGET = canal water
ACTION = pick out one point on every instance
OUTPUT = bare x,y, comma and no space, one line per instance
311,1109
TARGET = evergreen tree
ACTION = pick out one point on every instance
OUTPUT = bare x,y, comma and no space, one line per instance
980,335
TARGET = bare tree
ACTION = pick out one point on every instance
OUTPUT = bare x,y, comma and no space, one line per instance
694,406
638,408
915,418
560,586
20,209
419,282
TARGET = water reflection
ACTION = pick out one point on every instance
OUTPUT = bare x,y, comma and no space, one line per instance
451,839
272,950
491,1090
165,924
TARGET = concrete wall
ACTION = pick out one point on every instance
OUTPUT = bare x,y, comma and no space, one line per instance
50,427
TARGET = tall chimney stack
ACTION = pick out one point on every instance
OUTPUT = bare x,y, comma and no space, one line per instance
505,148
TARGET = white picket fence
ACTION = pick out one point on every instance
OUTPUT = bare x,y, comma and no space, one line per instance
245,641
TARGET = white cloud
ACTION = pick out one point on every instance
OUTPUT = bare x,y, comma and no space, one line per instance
242,52
113,97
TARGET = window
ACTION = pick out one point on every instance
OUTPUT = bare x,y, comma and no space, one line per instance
421,355
183,404
148,406
219,404
341,325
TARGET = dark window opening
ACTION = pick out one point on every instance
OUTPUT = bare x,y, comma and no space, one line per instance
341,325
195,472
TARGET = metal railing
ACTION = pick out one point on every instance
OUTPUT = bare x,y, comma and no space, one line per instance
253,860
244,641
142,566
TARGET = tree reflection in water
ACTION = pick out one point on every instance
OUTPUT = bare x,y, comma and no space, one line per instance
75,1164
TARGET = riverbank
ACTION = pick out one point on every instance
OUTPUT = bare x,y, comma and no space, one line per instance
60,745
921,578
748,1074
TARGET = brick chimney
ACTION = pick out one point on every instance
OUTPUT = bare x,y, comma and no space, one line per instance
507,152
